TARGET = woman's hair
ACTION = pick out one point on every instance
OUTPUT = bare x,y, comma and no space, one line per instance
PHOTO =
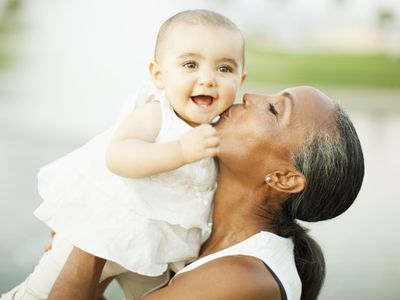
333,164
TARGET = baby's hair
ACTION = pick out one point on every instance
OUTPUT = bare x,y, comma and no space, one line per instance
194,17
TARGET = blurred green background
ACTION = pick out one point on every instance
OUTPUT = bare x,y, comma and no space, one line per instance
322,68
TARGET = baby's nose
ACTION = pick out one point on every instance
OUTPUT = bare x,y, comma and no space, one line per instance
207,79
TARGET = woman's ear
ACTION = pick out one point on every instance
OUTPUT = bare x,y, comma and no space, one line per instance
155,74
287,182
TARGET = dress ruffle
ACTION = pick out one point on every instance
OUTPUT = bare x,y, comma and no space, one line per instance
141,224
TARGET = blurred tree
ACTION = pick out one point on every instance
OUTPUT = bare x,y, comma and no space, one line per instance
340,3
385,20
9,7
8,12
8,23
221,2
281,2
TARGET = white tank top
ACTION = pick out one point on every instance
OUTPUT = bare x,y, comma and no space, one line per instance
275,251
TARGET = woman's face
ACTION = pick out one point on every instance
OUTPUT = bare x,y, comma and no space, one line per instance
263,132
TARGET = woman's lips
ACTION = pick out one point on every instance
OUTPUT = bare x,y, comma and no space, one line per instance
225,114
222,117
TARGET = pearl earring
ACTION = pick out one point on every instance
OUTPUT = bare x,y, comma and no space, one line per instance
268,179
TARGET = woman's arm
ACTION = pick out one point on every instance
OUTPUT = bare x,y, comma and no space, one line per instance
79,277
133,153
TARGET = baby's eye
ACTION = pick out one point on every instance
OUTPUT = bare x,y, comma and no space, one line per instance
272,109
225,69
190,65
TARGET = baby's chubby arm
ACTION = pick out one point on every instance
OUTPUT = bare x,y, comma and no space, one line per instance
133,152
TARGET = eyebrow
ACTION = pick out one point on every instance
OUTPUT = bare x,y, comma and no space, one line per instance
224,59
189,54
230,60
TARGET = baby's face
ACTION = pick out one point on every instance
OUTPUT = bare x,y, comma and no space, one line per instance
201,70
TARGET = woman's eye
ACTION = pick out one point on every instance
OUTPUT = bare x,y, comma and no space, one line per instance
273,110
190,65
225,69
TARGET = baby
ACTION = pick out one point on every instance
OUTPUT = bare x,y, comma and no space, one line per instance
140,194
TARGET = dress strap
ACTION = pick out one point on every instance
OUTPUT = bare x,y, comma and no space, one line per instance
281,288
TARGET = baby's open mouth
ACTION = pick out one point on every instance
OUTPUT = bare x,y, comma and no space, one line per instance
203,100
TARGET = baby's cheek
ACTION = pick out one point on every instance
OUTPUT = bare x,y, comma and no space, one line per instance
234,89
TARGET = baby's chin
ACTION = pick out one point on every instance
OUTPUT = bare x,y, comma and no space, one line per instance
205,120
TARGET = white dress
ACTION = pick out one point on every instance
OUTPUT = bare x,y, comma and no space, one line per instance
142,224
275,251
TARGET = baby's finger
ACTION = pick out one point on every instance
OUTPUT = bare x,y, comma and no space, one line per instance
208,130
211,152
212,141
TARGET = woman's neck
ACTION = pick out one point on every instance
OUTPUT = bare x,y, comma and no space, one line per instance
238,213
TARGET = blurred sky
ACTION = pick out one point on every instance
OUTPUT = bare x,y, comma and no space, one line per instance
91,54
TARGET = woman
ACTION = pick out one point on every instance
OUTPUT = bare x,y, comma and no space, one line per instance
291,156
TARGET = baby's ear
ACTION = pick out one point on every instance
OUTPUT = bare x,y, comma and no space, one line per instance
155,74
244,77
286,181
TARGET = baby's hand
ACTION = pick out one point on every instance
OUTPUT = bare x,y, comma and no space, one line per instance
199,143
48,247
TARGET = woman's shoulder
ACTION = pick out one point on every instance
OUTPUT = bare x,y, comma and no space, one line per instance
231,277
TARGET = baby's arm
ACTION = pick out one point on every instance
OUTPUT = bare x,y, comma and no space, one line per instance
133,152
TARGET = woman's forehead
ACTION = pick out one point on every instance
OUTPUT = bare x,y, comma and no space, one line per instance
309,101
308,94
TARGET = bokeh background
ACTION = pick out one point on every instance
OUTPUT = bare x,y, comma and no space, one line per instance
66,67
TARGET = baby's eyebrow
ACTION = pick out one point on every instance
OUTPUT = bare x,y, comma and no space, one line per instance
229,60
189,54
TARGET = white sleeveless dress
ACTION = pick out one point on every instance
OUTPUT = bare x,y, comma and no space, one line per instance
275,251
142,224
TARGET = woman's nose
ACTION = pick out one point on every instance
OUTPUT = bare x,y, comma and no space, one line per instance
249,99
